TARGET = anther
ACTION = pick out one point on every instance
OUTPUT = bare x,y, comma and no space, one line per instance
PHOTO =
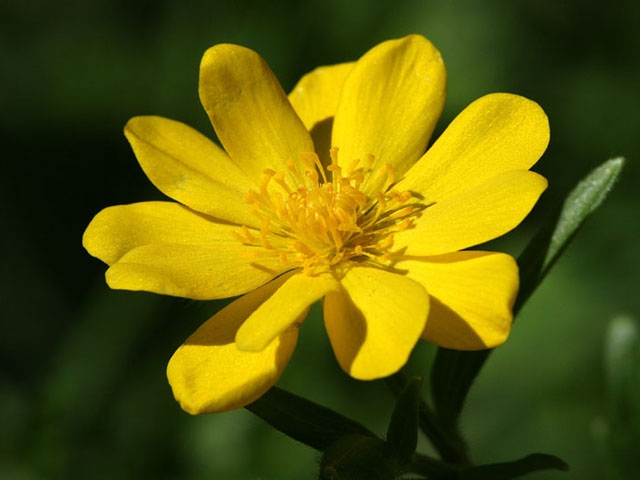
279,178
391,177
352,166
406,223
314,163
333,153
370,161
405,196
315,225
264,231
402,212
291,165
249,197
238,237
247,234
386,243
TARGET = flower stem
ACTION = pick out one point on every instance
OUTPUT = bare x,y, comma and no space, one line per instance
447,442
431,468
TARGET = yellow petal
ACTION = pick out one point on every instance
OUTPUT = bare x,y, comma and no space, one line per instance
282,309
472,294
249,110
474,216
208,373
117,230
315,96
200,272
375,322
390,103
190,168
315,100
496,133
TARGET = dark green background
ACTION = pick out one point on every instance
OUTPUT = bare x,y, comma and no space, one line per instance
83,392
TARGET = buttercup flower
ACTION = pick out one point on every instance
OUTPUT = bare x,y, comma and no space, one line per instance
326,194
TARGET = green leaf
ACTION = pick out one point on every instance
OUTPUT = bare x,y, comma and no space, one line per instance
454,371
449,445
402,434
356,457
303,420
452,375
435,469
508,470
547,246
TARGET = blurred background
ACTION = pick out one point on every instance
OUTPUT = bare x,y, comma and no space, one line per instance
83,392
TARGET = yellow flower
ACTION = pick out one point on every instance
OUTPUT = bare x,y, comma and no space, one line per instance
369,222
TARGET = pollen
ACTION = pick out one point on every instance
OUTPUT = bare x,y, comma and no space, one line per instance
315,218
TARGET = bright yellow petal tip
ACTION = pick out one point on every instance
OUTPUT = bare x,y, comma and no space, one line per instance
495,134
208,373
390,103
375,321
472,294
283,308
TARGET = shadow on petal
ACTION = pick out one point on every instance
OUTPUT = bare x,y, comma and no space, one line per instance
321,136
346,326
448,329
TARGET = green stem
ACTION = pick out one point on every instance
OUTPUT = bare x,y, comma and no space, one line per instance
448,443
437,470
433,469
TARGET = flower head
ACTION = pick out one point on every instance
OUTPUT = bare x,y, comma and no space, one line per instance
326,193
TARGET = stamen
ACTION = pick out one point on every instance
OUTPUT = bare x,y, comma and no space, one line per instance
309,222
406,223
264,231
336,173
386,243
316,162
353,165
333,154
370,160
238,237
267,176
247,234
391,177
403,212
248,197
279,178
292,168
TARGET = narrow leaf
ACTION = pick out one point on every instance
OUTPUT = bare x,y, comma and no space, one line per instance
545,248
402,434
454,371
434,469
303,420
452,375
449,444
508,470
357,457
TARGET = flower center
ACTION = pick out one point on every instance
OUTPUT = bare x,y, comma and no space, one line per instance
315,223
